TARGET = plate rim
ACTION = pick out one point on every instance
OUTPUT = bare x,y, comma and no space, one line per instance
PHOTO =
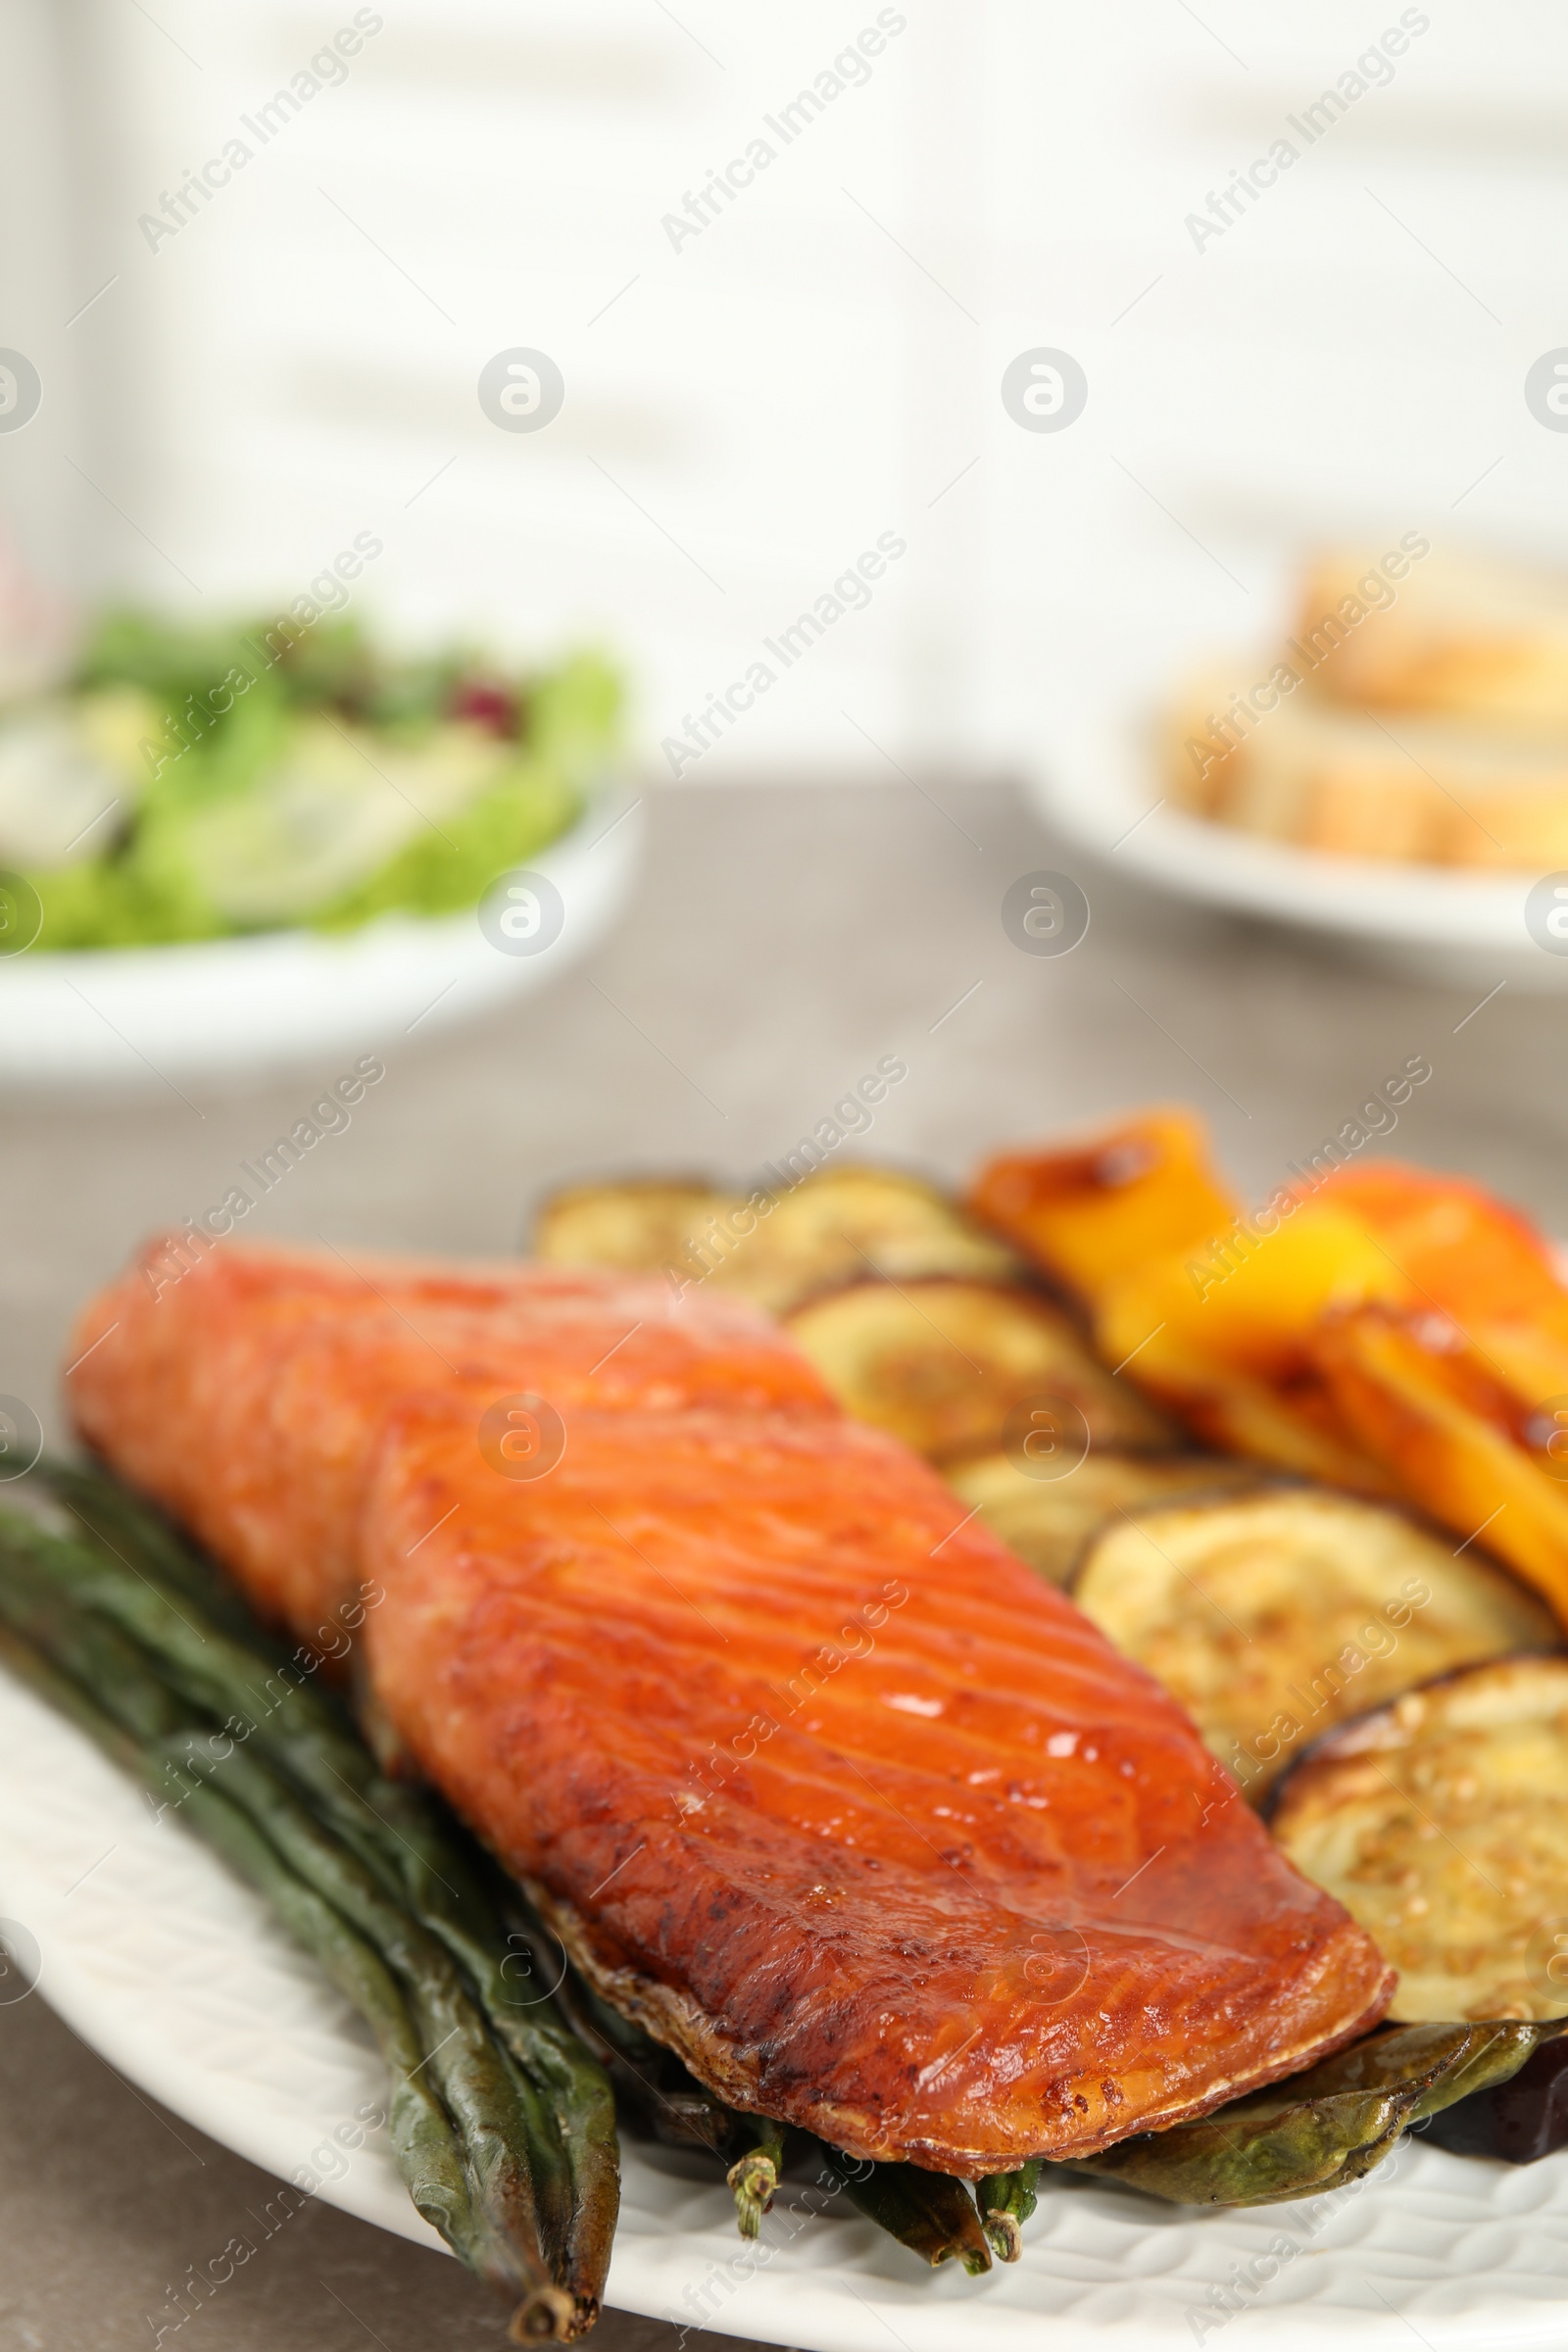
673,2272
1097,780
83,1019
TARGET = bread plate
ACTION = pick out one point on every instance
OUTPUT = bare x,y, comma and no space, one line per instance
217,1008
1097,784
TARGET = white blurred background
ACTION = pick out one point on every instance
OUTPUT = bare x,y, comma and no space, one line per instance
748,411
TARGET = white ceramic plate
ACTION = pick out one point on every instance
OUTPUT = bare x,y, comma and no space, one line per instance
1098,783
176,1974
220,1008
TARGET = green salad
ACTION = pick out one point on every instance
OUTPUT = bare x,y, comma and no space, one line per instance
185,784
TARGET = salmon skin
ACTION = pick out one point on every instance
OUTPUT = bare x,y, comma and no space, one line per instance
810,1775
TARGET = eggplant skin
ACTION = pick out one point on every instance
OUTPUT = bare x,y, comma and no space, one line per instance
1275,1615
1438,1821
1330,2126
1519,2121
954,1369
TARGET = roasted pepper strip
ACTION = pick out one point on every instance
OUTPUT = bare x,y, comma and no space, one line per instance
1209,1310
1454,1435
1089,1212
1463,1252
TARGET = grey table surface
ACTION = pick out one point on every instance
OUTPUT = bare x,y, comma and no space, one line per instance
778,944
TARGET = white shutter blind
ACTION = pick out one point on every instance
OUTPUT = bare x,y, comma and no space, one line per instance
782,291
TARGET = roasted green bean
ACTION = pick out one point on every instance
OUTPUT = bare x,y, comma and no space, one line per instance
931,2214
530,2227
423,2138
399,1832
1005,2201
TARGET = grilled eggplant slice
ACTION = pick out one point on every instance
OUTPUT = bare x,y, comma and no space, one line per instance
1275,1616
948,1365
1519,2121
1438,1821
775,1247
1324,2129
643,1226
1048,1522
842,1224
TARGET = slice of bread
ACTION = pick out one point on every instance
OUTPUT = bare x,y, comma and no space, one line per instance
1364,784
1452,635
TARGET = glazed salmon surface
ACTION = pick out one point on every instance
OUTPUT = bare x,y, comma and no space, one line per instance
246,1393
810,1775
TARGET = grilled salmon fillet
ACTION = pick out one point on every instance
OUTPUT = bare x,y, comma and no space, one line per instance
810,1775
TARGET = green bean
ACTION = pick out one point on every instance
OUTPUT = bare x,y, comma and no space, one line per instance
395,1830
35,1666
930,2213
138,1534
436,2163
549,2057
754,2178
516,2161
98,1656
668,2103
1005,2201
421,2136
480,2091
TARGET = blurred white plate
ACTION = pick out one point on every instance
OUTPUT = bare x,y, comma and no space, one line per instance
1098,783
179,1977
235,1007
